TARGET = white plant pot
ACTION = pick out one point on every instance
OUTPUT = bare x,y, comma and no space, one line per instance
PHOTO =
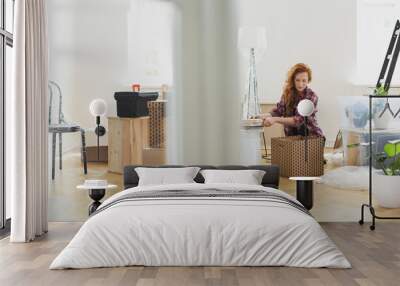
382,122
386,190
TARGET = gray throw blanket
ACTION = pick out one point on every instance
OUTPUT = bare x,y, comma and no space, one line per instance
206,194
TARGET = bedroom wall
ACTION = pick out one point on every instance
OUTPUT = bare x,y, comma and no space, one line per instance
95,51
98,47
319,33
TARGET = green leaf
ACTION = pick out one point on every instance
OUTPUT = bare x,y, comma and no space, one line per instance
353,145
381,157
390,149
388,172
380,91
396,164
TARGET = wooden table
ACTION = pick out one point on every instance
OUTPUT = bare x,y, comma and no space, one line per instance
127,137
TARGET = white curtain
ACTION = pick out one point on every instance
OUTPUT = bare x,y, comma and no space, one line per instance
207,99
27,123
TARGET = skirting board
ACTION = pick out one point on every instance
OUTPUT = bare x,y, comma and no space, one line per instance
91,154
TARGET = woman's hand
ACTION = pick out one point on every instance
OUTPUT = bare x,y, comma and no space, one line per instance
261,116
269,121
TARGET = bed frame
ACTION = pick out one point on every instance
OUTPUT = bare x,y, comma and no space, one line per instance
270,179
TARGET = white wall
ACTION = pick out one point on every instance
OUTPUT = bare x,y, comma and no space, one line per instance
98,47
93,53
375,22
150,37
319,33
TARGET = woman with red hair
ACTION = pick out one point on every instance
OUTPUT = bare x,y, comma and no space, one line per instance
295,89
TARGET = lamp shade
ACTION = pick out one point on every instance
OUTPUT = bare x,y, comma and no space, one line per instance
252,37
98,107
305,107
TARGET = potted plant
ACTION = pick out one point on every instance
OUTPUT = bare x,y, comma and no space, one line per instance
378,105
386,182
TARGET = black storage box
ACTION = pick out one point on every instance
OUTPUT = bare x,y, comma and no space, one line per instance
133,104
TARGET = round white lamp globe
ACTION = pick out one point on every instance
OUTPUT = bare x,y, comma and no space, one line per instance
305,107
98,107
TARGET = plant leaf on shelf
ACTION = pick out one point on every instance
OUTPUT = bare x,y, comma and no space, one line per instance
392,148
380,91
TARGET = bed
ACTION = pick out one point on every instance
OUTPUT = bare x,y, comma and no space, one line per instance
198,224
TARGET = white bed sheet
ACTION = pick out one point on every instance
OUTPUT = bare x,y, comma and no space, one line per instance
218,232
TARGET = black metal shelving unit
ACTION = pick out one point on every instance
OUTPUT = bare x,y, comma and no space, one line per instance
385,74
369,205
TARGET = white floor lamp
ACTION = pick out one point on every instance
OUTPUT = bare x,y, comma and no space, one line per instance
252,42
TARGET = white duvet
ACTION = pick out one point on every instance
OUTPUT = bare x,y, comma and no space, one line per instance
212,231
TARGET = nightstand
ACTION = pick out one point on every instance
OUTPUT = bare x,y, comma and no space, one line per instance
304,190
96,193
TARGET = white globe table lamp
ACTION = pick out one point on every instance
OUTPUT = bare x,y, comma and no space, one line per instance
305,107
98,107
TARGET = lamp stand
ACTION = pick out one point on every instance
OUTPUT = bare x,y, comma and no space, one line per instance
99,131
251,106
306,138
98,137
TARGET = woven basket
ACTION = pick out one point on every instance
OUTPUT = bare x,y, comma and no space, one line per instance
289,154
157,124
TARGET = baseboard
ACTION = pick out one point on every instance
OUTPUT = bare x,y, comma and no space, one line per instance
72,149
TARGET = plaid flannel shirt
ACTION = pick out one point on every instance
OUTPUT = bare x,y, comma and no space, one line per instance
312,125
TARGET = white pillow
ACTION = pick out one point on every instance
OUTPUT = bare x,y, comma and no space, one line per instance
248,177
165,176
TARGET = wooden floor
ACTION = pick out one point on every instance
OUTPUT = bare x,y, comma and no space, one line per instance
66,203
375,257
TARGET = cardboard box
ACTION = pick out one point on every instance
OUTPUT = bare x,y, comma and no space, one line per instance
91,154
289,154
157,123
154,156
